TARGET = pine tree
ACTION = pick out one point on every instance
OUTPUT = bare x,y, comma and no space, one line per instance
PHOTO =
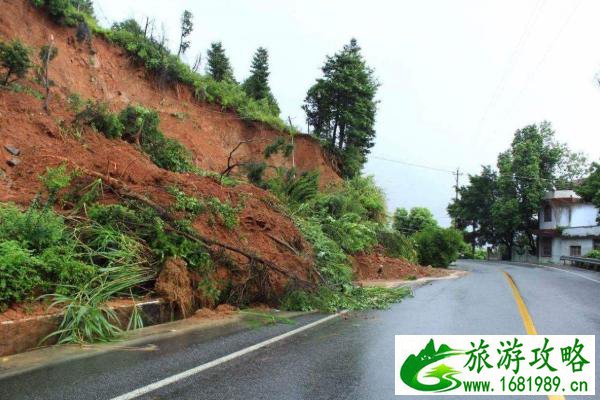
186,29
257,84
219,67
341,107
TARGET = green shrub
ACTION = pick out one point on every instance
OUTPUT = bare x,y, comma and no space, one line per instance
67,12
255,172
55,179
438,246
63,272
100,118
141,126
224,211
15,58
331,261
36,229
168,69
294,188
397,245
350,233
18,273
359,196
185,203
593,254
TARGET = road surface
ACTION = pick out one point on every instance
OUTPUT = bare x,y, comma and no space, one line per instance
347,357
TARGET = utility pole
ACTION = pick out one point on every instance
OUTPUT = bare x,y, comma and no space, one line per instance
456,187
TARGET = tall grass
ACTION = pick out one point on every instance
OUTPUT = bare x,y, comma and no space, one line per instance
86,316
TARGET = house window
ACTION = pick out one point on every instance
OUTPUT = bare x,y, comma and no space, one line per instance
575,251
546,247
547,213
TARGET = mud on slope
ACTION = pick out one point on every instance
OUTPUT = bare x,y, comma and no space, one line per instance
104,72
43,143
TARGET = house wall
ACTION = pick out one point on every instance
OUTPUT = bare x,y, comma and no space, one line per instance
585,243
571,215
561,247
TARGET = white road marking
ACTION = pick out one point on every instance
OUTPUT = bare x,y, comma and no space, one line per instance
562,270
573,273
185,374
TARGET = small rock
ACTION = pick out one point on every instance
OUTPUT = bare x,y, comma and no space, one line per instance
13,150
13,162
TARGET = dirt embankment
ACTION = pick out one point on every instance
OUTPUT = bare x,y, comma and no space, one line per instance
104,72
377,266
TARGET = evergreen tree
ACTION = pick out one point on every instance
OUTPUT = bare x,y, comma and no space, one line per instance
219,67
341,107
257,84
186,29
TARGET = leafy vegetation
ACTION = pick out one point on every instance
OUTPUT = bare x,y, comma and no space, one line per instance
397,244
98,116
348,297
438,246
593,254
342,220
15,59
139,125
418,219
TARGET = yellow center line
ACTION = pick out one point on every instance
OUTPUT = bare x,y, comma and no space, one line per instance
525,316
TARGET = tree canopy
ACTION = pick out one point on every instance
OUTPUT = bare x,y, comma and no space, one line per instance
501,207
187,26
257,84
219,67
418,219
15,58
590,187
340,107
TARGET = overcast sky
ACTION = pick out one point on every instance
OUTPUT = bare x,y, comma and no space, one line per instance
457,77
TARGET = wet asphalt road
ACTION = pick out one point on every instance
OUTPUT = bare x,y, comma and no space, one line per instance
346,358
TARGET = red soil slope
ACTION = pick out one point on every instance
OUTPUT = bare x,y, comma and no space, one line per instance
107,74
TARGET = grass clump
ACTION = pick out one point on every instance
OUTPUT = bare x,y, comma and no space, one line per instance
86,317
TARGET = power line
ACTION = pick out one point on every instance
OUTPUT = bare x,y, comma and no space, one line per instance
532,20
549,49
454,173
411,164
